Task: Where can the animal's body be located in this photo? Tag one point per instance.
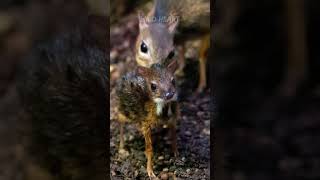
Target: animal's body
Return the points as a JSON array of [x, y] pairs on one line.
[[148, 98]]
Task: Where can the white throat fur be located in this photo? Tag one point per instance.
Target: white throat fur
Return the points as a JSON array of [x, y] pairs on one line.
[[159, 105]]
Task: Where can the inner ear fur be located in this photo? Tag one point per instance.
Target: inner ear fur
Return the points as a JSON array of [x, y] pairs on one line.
[[173, 66], [142, 20], [172, 23], [143, 71]]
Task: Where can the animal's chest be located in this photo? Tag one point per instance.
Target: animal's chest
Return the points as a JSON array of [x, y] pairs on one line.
[[166, 112], [157, 115]]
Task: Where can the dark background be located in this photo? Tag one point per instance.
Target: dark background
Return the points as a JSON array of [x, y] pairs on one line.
[[53, 89], [266, 86]]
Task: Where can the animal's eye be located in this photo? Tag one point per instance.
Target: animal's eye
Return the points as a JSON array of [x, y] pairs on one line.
[[143, 47], [153, 86], [173, 81], [171, 54]]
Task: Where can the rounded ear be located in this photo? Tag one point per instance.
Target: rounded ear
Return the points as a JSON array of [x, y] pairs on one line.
[[173, 66], [142, 20], [142, 71], [172, 24]]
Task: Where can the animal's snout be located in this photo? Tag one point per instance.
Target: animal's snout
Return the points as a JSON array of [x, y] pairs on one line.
[[169, 95]]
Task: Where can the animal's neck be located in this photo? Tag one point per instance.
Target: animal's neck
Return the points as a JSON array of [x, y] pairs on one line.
[[159, 107]]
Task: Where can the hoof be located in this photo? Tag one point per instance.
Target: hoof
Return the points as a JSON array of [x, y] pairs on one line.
[[199, 90], [176, 154], [123, 153], [151, 175]]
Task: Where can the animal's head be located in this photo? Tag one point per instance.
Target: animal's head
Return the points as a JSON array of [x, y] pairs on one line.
[[155, 41], [160, 82]]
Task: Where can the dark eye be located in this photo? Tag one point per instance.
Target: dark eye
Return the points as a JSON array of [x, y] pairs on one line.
[[153, 86], [171, 54], [173, 81], [143, 47]]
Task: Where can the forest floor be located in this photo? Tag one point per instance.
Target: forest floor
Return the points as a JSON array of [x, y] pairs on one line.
[[193, 129]]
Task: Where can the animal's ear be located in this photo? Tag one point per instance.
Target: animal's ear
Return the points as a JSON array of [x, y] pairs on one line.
[[172, 24], [142, 20], [173, 66], [143, 71]]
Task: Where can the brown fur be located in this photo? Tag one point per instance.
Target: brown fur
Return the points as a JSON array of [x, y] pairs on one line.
[[137, 103], [158, 30], [190, 12]]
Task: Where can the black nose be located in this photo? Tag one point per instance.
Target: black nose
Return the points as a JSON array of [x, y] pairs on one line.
[[169, 95]]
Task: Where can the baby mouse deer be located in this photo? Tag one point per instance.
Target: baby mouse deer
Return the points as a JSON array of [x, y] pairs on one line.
[[148, 98], [169, 22]]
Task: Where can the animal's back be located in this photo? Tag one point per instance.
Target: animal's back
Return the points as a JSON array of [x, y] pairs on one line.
[[132, 96], [191, 13]]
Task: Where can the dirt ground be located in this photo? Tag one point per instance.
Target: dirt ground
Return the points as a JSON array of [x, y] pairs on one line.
[[193, 129]]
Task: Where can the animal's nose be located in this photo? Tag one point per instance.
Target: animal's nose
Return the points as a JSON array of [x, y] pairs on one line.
[[169, 95]]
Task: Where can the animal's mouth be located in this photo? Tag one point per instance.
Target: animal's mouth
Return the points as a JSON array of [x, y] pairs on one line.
[[174, 98], [164, 100], [161, 102]]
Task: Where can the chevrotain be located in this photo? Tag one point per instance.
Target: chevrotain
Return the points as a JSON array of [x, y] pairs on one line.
[[148, 97]]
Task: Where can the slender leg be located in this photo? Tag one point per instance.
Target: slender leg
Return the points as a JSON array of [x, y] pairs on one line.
[[174, 140], [296, 70], [181, 61], [173, 123], [148, 151], [122, 151], [121, 145], [205, 44]]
